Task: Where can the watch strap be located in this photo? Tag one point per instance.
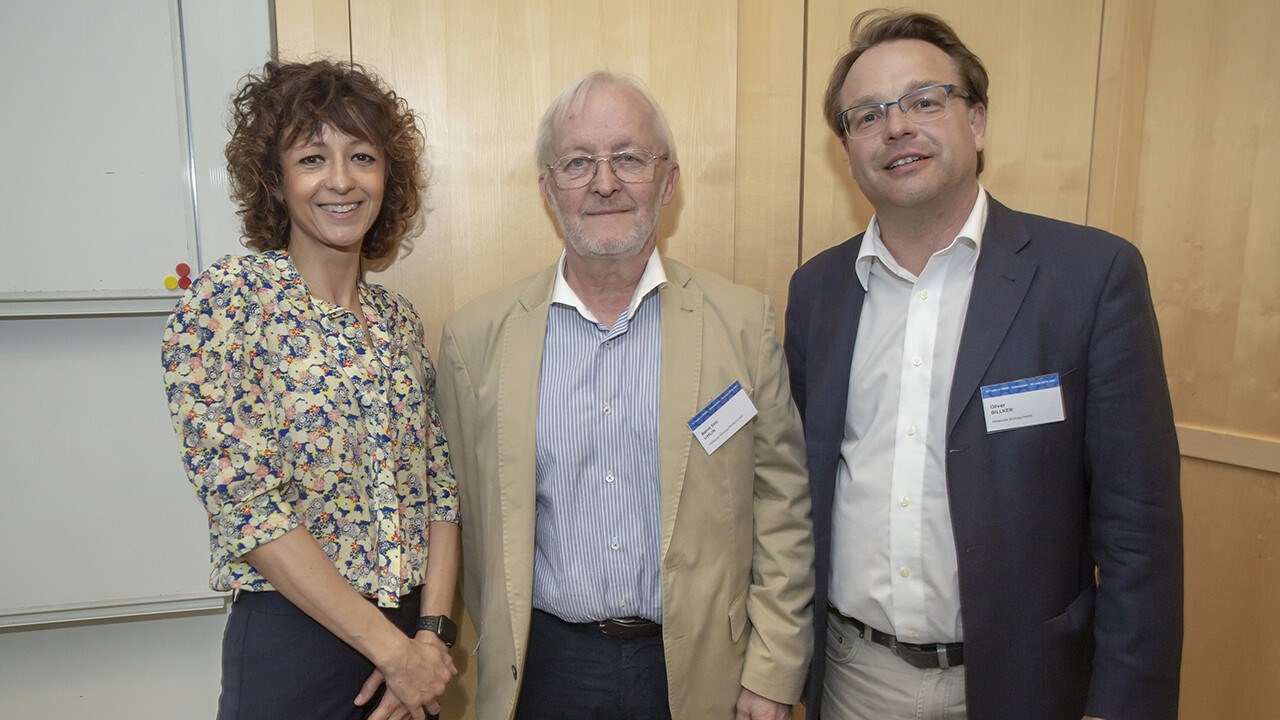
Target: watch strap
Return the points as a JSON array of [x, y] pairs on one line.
[[442, 626]]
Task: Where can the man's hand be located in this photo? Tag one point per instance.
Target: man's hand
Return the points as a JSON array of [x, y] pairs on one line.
[[415, 679], [755, 707]]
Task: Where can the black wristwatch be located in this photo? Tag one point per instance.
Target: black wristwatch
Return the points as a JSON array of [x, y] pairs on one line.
[[442, 626]]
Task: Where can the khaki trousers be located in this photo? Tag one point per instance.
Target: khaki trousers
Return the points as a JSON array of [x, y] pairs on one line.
[[866, 681]]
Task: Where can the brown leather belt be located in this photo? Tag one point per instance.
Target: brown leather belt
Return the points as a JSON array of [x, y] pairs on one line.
[[926, 656]]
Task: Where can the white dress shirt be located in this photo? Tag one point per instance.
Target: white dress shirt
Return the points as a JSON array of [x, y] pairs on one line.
[[893, 557]]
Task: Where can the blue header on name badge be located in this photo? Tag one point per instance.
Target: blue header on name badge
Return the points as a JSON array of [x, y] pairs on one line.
[[715, 405], [1043, 382]]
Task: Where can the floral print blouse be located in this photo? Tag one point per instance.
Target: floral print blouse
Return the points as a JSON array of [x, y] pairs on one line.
[[289, 416]]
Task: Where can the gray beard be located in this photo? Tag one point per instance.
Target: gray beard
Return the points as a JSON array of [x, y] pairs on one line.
[[621, 247]]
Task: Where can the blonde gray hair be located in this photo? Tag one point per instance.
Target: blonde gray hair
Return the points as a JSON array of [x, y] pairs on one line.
[[574, 96]]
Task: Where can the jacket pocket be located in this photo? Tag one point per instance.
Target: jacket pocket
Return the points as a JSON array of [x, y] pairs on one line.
[[1077, 619], [1068, 656], [738, 616]]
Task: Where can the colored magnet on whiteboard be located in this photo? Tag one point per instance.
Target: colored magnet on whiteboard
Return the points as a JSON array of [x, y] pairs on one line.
[[181, 280]]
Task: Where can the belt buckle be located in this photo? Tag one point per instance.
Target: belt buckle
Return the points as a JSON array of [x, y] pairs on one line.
[[627, 628]]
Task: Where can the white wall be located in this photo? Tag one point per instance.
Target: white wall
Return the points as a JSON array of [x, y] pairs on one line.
[[69, 388], [98, 506]]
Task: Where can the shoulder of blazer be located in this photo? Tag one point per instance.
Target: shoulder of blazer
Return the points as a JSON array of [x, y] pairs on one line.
[[706, 282], [493, 307], [828, 266], [1057, 240], [733, 303]]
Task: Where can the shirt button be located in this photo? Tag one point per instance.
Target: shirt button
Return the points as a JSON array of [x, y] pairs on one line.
[[614, 544], [608, 344], [917, 362], [911, 429], [607, 410], [905, 501], [905, 572], [622, 606], [924, 294]]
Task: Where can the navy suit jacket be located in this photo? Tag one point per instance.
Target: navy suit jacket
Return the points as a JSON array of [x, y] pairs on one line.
[[1033, 509]]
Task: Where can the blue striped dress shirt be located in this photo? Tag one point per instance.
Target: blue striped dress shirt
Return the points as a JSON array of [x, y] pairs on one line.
[[599, 498]]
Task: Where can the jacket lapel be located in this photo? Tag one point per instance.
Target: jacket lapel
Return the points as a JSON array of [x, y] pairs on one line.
[[521, 350], [678, 399], [833, 340], [1000, 284]]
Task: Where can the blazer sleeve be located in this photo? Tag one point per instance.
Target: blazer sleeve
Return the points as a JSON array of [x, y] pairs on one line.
[[780, 599], [794, 344], [1135, 504], [455, 401]]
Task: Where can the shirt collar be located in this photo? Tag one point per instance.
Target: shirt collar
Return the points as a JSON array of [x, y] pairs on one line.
[[873, 248], [283, 264], [653, 277]]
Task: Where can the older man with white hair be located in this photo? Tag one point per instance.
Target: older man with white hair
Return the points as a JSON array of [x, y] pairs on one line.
[[636, 538]]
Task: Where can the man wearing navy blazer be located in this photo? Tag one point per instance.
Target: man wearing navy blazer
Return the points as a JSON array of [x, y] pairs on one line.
[[991, 448]]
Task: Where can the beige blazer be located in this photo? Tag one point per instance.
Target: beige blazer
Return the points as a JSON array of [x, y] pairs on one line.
[[736, 539]]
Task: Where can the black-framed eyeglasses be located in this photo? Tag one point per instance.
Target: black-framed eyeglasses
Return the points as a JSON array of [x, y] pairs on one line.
[[919, 106], [630, 166]]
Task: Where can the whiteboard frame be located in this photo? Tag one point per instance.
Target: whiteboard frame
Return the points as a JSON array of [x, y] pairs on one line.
[[70, 613]]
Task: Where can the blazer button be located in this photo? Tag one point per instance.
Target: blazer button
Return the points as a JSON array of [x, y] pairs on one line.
[[513, 672]]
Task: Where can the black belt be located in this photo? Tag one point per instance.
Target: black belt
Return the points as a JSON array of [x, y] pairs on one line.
[[628, 628], [926, 657], [625, 628]]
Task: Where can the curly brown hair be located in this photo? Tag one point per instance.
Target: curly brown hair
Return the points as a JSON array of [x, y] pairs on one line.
[[872, 27], [287, 101]]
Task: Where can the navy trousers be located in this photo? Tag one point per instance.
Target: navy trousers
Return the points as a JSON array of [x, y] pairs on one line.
[[279, 664], [576, 671]]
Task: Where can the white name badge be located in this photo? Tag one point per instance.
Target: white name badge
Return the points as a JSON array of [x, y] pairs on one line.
[[722, 417], [1033, 401]]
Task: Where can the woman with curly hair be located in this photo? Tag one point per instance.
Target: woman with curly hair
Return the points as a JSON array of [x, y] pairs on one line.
[[303, 399]]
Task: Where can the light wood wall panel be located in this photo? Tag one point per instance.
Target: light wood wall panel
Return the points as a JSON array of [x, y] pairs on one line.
[[482, 73], [1043, 62], [728, 74], [312, 28], [770, 117], [1204, 208], [1118, 120], [1187, 164], [1232, 648]]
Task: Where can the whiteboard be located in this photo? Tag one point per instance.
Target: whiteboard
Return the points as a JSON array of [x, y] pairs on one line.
[[116, 113], [97, 511], [100, 520]]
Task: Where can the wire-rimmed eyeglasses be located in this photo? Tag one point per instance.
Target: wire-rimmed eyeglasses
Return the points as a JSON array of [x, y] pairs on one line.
[[630, 166], [919, 106]]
